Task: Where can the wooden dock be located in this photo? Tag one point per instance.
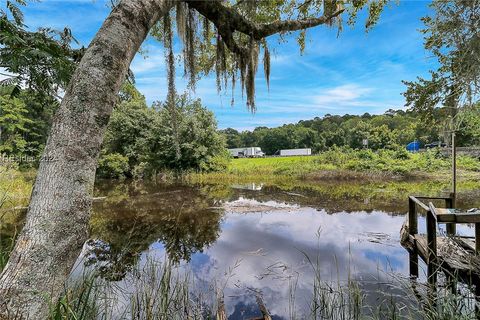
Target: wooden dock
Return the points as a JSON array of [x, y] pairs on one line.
[[457, 257]]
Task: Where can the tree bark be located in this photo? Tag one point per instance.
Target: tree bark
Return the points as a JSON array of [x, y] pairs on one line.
[[57, 220]]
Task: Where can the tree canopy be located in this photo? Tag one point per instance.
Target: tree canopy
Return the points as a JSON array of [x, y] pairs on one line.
[[40, 60], [141, 140], [394, 129], [452, 35]]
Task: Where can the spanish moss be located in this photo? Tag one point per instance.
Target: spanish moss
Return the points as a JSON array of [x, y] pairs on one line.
[[169, 56], [189, 52], [170, 60], [181, 20], [234, 75], [220, 62], [206, 30], [266, 63], [251, 72]]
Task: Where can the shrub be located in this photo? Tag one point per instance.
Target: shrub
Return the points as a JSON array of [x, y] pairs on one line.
[[468, 163], [217, 162], [365, 154], [401, 154], [114, 166]]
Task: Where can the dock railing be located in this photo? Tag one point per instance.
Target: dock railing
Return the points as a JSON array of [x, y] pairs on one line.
[[434, 217], [413, 201], [430, 255]]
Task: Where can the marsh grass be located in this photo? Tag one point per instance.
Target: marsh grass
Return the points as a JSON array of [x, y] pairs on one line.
[[156, 290], [162, 290], [344, 164]]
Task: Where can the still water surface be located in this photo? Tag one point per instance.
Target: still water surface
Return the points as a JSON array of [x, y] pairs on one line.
[[254, 238]]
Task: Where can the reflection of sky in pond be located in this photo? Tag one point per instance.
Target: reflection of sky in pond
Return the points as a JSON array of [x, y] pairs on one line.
[[264, 239], [271, 249]]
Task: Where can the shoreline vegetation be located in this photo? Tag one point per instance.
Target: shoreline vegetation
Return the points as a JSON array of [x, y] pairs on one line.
[[335, 165], [161, 290], [344, 164]]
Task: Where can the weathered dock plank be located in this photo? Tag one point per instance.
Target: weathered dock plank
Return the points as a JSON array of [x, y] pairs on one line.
[[454, 255]]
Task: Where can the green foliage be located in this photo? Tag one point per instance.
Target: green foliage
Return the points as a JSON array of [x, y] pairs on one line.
[[37, 67], [392, 130], [162, 138], [15, 186], [193, 129], [13, 122], [217, 162], [41, 60], [346, 163], [468, 133], [451, 35], [130, 127], [25, 119], [468, 163], [112, 165]]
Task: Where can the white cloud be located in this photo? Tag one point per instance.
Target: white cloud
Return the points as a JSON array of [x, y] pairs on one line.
[[344, 94], [155, 61]]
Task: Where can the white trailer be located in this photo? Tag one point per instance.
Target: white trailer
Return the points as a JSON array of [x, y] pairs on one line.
[[253, 152], [296, 152], [249, 152], [237, 152]]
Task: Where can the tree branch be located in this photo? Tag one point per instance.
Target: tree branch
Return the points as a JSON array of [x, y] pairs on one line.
[[226, 18], [269, 29]]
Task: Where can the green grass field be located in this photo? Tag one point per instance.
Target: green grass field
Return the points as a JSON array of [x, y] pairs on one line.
[[347, 164]]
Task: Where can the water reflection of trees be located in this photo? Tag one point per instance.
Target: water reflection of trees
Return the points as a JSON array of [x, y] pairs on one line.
[[355, 196], [184, 219]]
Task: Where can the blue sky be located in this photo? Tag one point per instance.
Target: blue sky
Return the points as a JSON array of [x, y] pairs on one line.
[[355, 73]]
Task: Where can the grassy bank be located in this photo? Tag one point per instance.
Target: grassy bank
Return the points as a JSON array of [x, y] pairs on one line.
[[345, 164]]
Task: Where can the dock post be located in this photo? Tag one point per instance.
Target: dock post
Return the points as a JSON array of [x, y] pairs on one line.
[[413, 259], [477, 238], [450, 203], [432, 247], [412, 217]]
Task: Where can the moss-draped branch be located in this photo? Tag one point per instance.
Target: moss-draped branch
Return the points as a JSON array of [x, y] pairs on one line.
[[230, 20]]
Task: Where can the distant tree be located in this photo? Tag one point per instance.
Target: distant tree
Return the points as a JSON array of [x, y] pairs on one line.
[[305, 138], [40, 110], [381, 137], [469, 129], [147, 137], [232, 137], [276, 139]]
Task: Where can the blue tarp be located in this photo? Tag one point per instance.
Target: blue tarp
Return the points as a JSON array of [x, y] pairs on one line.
[[413, 146]]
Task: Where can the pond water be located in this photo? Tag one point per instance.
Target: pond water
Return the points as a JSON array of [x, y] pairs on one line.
[[251, 239]]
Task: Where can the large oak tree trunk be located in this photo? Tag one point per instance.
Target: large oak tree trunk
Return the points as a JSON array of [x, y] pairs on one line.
[[57, 219]]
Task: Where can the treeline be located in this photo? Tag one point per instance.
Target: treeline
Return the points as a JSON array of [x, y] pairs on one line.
[[144, 140], [391, 130], [139, 141]]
